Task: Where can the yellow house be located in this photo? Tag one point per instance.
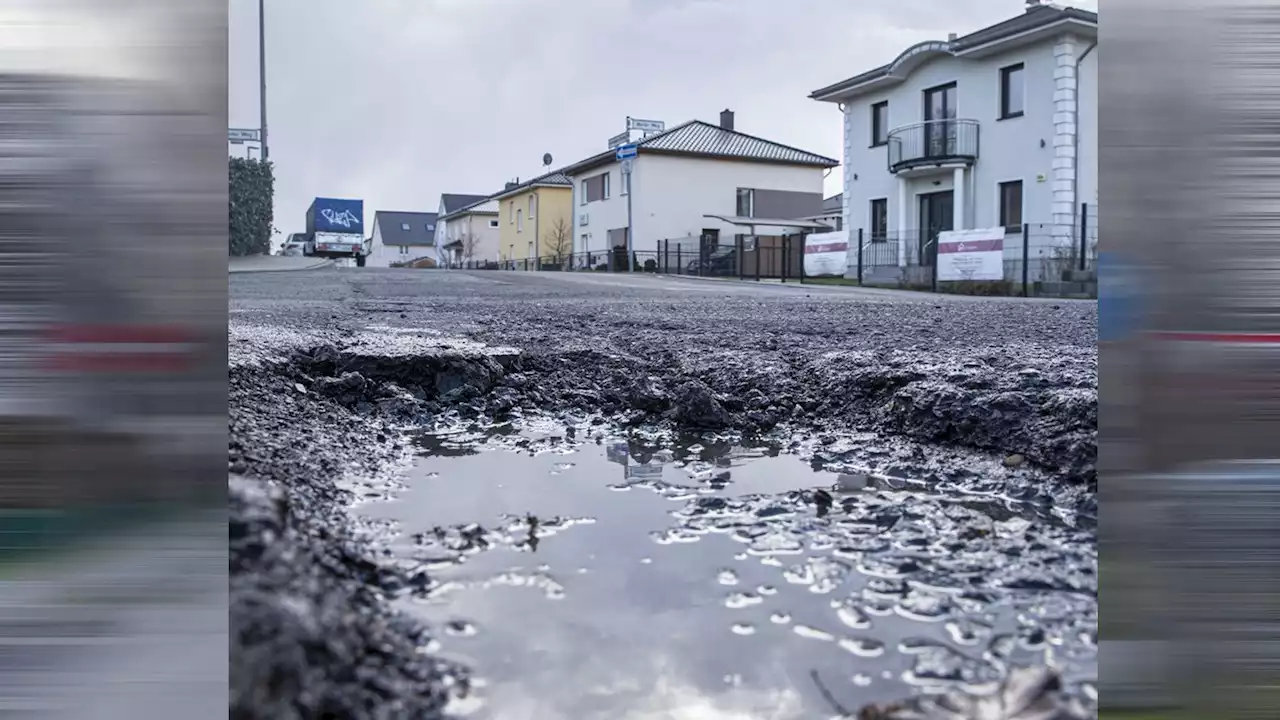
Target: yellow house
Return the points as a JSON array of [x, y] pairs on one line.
[[535, 220]]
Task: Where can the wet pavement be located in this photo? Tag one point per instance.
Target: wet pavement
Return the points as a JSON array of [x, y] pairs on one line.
[[584, 575]]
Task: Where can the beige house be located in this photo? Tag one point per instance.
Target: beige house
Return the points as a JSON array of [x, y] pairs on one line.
[[471, 234]]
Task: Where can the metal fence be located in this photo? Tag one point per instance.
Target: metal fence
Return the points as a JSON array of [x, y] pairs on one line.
[[1040, 259]]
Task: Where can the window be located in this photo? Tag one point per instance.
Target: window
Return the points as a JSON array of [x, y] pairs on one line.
[[1012, 100], [404, 249], [431, 228], [533, 206], [1011, 206], [511, 212], [404, 226], [880, 123], [493, 223], [746, 202], [626, 183], [595, 188], [880, 220], [520, 221], [586, 243]]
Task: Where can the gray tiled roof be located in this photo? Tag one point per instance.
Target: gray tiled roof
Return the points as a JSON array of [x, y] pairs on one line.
[[702, 139], [833, 203], [1033, 18], [553, 178], [454, 202], [391, 223]]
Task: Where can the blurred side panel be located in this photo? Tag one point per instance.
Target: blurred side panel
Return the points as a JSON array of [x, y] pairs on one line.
[[113, 357], [1189, 357]]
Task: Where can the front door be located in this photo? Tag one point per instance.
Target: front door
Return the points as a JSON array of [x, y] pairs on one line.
[[939, 116], [935, 217]]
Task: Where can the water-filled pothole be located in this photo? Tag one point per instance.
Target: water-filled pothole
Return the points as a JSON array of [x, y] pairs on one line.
[[600, 578]]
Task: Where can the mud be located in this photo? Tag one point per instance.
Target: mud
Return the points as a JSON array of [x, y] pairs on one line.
[[331, 370]]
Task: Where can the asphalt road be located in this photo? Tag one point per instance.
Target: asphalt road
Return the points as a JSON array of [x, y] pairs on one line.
[[328, 368]]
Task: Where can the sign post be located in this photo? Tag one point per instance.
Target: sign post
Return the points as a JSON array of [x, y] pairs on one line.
[[626, 155]]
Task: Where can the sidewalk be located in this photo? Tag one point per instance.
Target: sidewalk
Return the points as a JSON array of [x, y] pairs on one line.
[[275, 263]]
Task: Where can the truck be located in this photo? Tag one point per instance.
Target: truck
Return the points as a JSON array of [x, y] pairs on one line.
[[335, 229]]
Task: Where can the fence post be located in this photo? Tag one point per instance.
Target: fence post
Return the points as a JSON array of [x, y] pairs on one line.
[[859, 256], [666, 255], [1084, 233], [679, 259], [786, 257], [739, 248], [933, 279], [1026, 259]]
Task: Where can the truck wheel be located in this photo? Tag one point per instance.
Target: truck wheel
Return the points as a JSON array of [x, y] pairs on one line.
[[359, 261]]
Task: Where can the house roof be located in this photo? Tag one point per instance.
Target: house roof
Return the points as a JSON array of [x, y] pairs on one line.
[[1038, 18], [486, 206], [697, 138], [834, 203], [453, 202], [422, 227], [555, 178]]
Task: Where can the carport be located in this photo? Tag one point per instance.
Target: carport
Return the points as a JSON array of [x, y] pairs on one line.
[[770, 247]]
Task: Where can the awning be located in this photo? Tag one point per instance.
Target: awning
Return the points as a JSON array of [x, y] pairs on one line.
[[753, 223]]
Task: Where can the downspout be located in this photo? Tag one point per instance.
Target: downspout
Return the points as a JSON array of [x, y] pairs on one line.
[[537, 239], [1075, 142]]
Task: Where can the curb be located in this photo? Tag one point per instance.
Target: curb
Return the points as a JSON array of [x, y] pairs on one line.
[[316, 266]]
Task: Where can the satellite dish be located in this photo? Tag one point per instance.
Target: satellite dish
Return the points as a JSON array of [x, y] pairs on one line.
[[546, 159]]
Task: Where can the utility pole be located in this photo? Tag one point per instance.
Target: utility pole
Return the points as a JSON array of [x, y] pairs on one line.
[[262, 72]]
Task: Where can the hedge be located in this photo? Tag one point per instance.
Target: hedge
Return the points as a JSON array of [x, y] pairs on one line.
[[252, 192]]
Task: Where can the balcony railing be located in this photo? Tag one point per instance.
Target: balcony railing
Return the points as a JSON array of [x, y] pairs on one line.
[[933, 142]]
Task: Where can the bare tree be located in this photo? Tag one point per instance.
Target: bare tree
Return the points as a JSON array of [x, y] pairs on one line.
[[470, 243], [558, 240]]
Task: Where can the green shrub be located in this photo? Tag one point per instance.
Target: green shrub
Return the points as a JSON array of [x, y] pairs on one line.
[[250, 214]]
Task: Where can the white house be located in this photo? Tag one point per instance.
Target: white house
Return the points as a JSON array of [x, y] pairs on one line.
[[471, 234], [450, 203], [402, 237], [696, 180], [994, 128]]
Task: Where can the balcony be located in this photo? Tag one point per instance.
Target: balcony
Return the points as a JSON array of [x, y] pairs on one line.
[[933, 143]]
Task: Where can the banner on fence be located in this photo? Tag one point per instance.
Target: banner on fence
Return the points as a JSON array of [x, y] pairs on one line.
[[826, 253], [971, 254]]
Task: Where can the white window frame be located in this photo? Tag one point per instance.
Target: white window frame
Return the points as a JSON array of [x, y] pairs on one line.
[[608, 175], [404, 249], [533, 205], [511, 211], [520, 220], [583, 189], [404, 226], [626, 183], [493, 223]]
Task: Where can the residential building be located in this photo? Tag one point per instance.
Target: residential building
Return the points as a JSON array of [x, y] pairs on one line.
[[698, 183], [997, 128], [402, 237], [832, 214], [471, 234], [449, 204], [535, 219]]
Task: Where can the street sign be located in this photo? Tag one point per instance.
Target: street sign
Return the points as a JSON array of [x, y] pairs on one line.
[[619, 139], [625, 151], [646, 125], [239, 136]]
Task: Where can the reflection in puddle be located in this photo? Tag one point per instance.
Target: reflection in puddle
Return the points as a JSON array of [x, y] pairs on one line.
[[584, 577]]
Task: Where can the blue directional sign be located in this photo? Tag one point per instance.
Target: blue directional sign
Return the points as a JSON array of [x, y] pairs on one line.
[[625, 152]]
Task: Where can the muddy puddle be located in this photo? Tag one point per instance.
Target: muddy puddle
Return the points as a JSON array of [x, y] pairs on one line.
[[594, 577]]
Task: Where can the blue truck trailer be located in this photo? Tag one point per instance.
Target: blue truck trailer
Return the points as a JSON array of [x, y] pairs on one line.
[[335, 230]]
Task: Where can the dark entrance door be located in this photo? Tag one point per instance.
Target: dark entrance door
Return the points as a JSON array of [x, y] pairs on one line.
[[935, 217], [939, 116]]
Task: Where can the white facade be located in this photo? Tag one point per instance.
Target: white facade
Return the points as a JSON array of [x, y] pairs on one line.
[[480, 224], [1051, 148], [672, 196], [382, 255]]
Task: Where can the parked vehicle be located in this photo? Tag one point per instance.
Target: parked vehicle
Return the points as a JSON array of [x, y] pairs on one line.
[[335, 230]]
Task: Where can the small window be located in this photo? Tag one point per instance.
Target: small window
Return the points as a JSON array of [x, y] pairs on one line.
[[1012, 98], [404, 226], [533, 206], [746, 202], [1011, 206], [431, 228], [595, 188], [626, 183], [404, 249], [520, 221], [585, 193], [880, 123], [493, 223], [879, 220], [511, 212]]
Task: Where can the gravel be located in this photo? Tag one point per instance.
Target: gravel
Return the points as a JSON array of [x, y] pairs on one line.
[[328, 368]]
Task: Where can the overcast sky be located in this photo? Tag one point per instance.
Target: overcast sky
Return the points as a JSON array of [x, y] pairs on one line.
[[398, 101]]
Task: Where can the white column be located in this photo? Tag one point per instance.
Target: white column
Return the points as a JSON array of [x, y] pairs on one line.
[[1064, 140], [901, 232], [958, 200]]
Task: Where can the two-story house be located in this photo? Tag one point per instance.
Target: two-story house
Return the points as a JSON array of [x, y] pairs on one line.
[[695, 182], [535, 219], [449, 204], [471, 234], [997, 128], [402, 237]]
